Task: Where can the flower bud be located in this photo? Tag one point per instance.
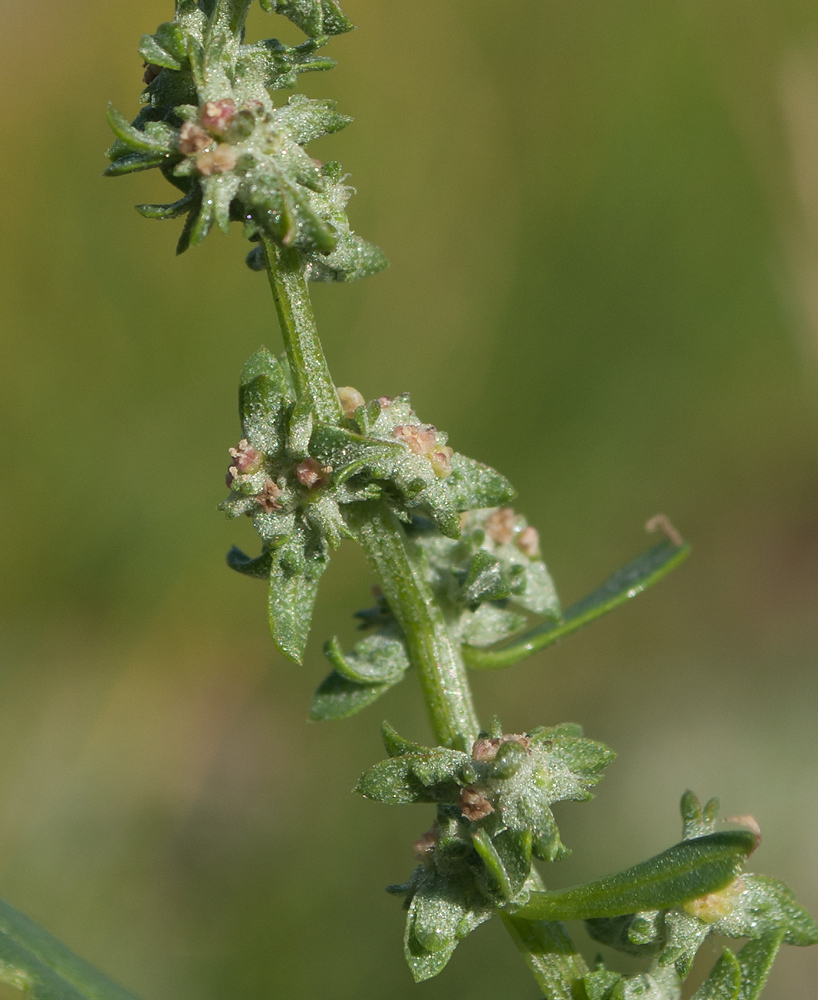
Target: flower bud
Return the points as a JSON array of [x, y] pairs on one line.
[[441, 459], [420, 440], [528, 541], [216, 116], [501, 524], [350, 399], [220, 160], [312, 474]]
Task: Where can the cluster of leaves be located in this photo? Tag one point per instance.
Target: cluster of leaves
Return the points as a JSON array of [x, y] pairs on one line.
[[296, 476], [493, 816], [486, 581], [751, 906], [211, 126]]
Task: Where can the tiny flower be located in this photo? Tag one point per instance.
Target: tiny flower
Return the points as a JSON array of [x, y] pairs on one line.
[[501, 524], [420, 440], [528, 541], [715, 905], [473, 805], [216, 161], [245, 457], [350, 399], [312, 474], [193, 139], [216, 116], [441, 459], [485, 750], [385, 401], [267, 499]]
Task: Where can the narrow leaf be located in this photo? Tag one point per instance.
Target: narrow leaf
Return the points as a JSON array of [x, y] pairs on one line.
[[756, 959], [643, 572], [171, 211], [723, 982], [338, 697], [135, 138], [674, 877], [153, 53], [132, 162], [35, 962], [258, 567]]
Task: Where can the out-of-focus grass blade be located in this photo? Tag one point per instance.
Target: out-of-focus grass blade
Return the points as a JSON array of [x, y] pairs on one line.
[[629, 581], [43, 968]]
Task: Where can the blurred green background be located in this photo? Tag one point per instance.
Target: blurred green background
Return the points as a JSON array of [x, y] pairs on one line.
[[602, 220]]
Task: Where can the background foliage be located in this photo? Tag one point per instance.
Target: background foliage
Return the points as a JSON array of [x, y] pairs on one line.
[[603, 227]]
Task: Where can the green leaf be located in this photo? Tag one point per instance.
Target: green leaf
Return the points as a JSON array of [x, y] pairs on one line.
[[338, 697], [43, 968], [672, 878], [264, 394], [637, 576], [426, 776], [258, 567], [396, 744], [377, 659], [171, 211], [135, 138], [766, 905], [295, 572], [756, 959], [353, 258], [724, 980], [507, 858], [314, 17], [485, 580], [153, 53], [133, 162], [472, 485]]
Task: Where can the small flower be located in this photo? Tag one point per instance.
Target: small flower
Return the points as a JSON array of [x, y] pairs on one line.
[[267, 499], [193, 139], [441, 459], [420, 440], [350, 399], [473, 805], [528, 541], [216, 116], [715, 905], [312, 474], [220, 160], [501, 524]]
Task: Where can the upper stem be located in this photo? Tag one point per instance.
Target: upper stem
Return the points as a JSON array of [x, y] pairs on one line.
[[401, 570], [307, 362]]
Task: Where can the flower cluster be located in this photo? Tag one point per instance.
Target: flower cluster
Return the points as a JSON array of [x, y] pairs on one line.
[[212, 127]]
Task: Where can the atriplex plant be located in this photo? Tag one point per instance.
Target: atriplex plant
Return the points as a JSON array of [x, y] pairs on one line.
[[459, 572]]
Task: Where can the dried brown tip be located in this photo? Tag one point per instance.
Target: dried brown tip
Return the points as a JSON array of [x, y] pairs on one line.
[[660, 522], [751, 823], [424, 845], [501, 524], [267, 499], [350, 399], [474, 805], [216, 161]]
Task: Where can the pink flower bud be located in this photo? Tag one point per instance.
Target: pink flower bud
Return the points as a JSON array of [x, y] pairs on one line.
[[528, 541], [420, 440], [350, 399], [501, 524], [220, 160], [312, 474], [217, 115], [441, 459], [193, 139]]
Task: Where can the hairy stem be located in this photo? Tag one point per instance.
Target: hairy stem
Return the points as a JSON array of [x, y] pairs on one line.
[[550, 955], [307, 362], [401, 571]]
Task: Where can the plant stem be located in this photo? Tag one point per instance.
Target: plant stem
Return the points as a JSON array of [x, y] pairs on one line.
[[550, 955], [401, 570], [307, 362]]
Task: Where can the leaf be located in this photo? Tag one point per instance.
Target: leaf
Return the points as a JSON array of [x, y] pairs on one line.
[[353, 258], [485, 580], [258, 567], [686, 871], [314, 17], [724, 980], [171, 211], [766, 905], [426, 776], [637, 576], [154, 54], [264, 394], [306, 118], [377, 659], [472, 485], [132, 162], [135, 138], [507, 858], [43, 968], [338, 697], [756, 959], [295, 572], [396, 744]]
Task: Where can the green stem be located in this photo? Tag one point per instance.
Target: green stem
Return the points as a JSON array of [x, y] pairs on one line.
[[307, 362], [401, 571], [549, 954]]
